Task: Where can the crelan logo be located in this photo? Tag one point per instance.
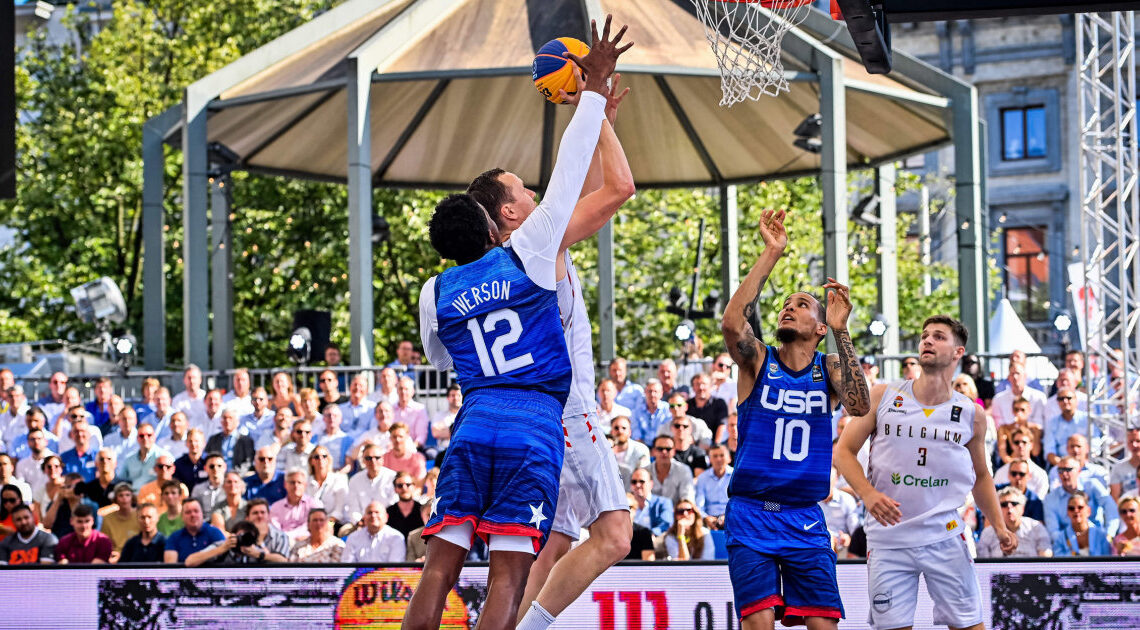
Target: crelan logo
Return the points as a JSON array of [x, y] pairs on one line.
[[921, 482]]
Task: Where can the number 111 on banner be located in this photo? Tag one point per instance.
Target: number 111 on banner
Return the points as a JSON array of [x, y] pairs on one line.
[[632, 602]]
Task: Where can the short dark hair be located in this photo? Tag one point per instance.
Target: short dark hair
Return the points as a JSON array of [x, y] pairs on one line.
[[458, 229], [491, 193], [83, 511], [961, 335], [36, 410], [315, 510], [189, 500], [20, 507], [254, 503], [1076, 352], [454, 387], [173, 483], [215, 455]]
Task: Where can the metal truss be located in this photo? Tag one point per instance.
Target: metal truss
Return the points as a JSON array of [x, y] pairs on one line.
[[1110, 221]]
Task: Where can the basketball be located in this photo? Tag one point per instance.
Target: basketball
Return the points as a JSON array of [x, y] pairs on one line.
[[552, 72]]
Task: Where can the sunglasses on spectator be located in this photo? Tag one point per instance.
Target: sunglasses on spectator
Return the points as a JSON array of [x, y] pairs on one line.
[[146, 435], [1017, 473], [676, 405], [1006, 504], [1127, 510], [1021, 442], [9, 500], [302, 431], [164, 466], [1077, 508], [405, 485], [663, 449], [320, 456], [638, 482], [724, 365], [372, 458], [265, 459], [684, 511], [678, 425], [327, 380], [1064, 398], [1066, 469]]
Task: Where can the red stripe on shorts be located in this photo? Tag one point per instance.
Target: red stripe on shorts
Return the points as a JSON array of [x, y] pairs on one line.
[[770, 601], [812, 611]]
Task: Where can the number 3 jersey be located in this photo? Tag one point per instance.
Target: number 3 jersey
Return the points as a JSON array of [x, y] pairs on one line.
[[919, 458], [500, 328], [784, 435]]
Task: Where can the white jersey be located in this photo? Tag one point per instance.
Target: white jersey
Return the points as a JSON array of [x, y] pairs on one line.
[[576, 326], [919, 458]]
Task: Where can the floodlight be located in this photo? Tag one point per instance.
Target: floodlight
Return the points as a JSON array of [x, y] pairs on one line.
[[300, 345], [878, 326], [685, 330], [863, 214], [811, 127], [99, 300], [123, 349], [811, 145], [1062, 322]]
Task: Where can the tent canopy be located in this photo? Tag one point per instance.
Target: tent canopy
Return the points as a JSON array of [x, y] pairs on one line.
[[457, 98]]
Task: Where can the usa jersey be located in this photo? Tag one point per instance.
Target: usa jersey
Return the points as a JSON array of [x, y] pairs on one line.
[[784, 435], [500, 328]]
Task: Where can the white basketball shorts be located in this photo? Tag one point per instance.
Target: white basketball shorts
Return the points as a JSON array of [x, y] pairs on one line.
[[590, 483], [892, 584]]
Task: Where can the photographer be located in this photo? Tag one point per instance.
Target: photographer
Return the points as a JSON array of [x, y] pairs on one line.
[[253, 540]]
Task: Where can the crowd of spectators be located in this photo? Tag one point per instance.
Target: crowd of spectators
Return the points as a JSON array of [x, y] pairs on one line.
[[346, 472]]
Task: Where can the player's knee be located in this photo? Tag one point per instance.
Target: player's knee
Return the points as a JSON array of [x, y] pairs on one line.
[[615, 535]]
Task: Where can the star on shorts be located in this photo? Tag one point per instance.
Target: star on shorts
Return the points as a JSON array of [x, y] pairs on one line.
[[536, 516], [434, 505]]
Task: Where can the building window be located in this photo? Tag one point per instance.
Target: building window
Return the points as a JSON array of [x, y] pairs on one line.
[[1027, 272], [1023, 133]]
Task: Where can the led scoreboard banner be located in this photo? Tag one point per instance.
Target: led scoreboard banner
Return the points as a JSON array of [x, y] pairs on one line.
[[1047, 595]]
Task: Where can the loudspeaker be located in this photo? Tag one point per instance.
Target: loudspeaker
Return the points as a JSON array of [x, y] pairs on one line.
[[319, 324], [7, 99]]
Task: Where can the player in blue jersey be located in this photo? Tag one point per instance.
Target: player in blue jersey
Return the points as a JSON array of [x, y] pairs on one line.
[[780, 559], [494, 319]]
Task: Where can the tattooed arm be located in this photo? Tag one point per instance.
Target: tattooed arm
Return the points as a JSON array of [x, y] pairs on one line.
[[844, 372], [741, 320]]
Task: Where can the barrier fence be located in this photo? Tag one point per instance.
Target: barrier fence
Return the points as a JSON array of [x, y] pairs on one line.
[[1057, 594]]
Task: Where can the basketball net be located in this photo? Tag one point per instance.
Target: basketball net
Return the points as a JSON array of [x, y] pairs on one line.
[[745, 40]]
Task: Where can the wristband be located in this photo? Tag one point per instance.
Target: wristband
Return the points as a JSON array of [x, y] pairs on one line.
[[261, 558]]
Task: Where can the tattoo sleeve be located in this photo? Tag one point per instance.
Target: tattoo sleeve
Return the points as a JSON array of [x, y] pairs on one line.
[[852, 387]]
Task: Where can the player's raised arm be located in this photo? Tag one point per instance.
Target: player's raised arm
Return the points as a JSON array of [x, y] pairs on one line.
[[985, 494], [846, 460], [744, 307], [602, 200], [847, 380], [539, 239]]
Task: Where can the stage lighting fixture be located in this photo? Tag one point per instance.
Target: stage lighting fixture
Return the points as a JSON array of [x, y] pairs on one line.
[[811, 127], [300, 346], [685, 330], [862, 212], [98, 301], [811, 145], [878, 326], [1062, 322]]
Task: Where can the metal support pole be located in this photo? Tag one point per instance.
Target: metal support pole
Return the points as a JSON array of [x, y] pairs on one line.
[[154, 247], [968, 217], [221, 274], [924, 237], [885, 178], [360, 211], [607, 340], [833, 169], [195, 247], [729, 243]]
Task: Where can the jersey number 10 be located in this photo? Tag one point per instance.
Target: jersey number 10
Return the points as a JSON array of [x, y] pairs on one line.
[[785, 440], [502, 364]]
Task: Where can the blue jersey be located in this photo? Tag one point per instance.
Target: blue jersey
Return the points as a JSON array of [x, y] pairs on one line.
[[784, 435], [501, 328]]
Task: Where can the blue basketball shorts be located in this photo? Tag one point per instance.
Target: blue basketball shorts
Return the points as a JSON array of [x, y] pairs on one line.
[[502, 466], [778, 546]]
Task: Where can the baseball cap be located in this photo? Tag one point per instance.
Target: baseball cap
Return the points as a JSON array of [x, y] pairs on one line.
[[867, 360]]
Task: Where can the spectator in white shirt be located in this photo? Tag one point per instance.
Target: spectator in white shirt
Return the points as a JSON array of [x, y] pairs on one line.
[[30, 468], [608, 407], [260, 420], [374, 483], [1032, 538], [841, 513], [192, 399], [12, 420], [295, 455], [724, 386], [1022, 443], [326, 484], [211, 420], [388, 387], [1066, 379], [374, 542], [1122, 478], [238, 398], [333, 437], [377, 435], [630, 454], [411, 412], [173, 440], [1002, 406], [163, 409], [441, 425]]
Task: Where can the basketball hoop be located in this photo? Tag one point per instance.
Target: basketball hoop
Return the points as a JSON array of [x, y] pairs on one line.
[[745, 36]]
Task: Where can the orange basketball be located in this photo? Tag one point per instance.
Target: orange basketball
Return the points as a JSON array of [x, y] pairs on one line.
[[552, 72]]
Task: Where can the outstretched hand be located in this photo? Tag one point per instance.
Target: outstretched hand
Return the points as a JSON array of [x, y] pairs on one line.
[[838, 304], [772, 229], [613, 98], [599, 63]]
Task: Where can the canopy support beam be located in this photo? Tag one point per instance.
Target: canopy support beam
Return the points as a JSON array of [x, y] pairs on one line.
[[607, 340], [885, 179], [729, 243], [195, 247], [154, 246], [221, 272], [833, 170], [360, 212]]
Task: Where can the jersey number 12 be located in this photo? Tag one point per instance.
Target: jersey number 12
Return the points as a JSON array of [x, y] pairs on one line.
[[501, 364], [785, 440]]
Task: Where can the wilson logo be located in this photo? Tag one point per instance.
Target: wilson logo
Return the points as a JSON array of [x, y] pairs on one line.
[[793, 401]]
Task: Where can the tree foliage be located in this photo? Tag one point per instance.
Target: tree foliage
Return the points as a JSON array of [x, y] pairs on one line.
[[78, 211]]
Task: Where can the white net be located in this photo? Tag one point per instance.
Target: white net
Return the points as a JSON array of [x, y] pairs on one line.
[[745, 39]]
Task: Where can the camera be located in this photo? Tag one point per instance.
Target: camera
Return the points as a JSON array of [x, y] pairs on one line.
[[246, 533]]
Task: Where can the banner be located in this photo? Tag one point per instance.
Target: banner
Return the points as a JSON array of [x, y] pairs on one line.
[[667, 596]]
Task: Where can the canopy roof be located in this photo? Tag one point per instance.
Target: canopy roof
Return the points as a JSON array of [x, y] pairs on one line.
[[453, 97]]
